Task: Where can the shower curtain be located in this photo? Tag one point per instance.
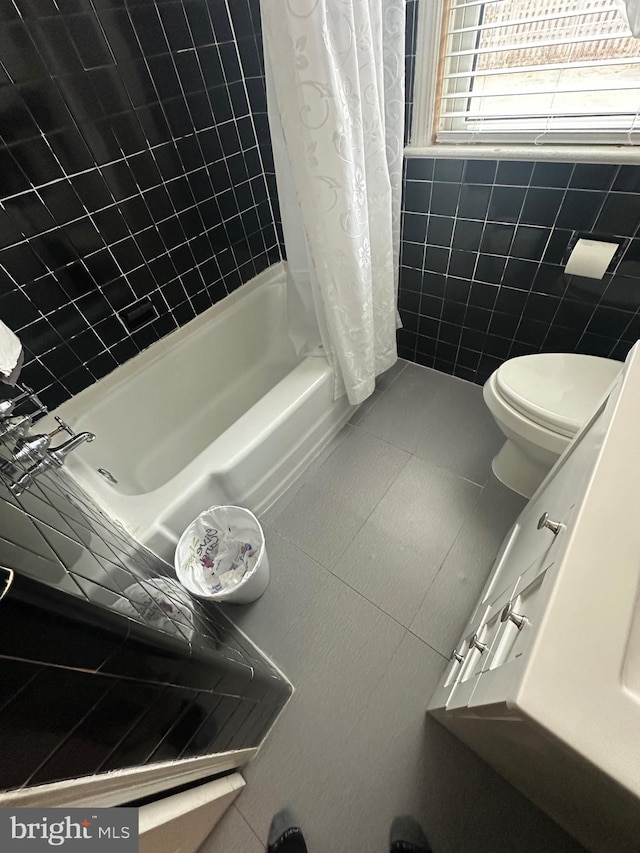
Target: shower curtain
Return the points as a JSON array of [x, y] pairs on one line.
[[337, 72]]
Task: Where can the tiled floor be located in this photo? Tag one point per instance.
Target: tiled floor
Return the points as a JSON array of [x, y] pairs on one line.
[[377, 554]]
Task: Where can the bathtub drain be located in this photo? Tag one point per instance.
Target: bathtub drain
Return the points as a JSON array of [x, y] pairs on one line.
[[107, 475]]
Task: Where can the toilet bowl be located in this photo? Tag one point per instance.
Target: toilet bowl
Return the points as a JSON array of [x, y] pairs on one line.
[[539, 402]]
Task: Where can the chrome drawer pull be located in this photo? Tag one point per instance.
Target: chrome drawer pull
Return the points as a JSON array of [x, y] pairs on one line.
[[509, 615], [554, 526], [455, 655], [7, 581], [474, 643]]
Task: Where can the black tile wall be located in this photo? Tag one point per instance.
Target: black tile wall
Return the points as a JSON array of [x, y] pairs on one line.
[[105, 662], [135, 162], [484, 245], [482, 267]]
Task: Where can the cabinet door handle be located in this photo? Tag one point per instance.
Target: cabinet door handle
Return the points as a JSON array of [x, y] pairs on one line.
[[6, 581], [509, 615], [455, 655], [544, 521], [474, 643]]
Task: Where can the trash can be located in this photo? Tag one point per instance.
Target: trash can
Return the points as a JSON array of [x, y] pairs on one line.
[[221, 556]]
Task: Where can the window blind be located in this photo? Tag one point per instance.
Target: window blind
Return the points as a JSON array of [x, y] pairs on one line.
[[538, 71]]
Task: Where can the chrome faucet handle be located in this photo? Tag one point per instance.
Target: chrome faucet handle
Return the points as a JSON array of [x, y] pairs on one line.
[[26, 393], [18, 425], [17, 487], [33, 447], [30, 447], [63, 426], [48, 458], [7, 406], [40, 407], [35, 452]]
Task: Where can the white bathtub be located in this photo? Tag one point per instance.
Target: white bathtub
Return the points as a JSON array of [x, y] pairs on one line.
[[220, 411]]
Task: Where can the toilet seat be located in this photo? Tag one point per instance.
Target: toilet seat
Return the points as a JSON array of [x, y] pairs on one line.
[[558, 391]]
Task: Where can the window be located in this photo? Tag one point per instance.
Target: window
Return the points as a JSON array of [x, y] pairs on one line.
[[534, 71]]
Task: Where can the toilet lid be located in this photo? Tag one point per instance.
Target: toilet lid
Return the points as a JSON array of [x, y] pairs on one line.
[[557, 390]]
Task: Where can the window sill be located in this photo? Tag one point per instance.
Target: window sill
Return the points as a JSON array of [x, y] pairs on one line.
[[558, 153]]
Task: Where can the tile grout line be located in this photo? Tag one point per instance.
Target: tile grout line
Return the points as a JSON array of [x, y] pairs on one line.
[[450, 549], [243, 817]]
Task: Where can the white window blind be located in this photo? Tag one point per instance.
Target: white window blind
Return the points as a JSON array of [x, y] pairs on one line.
[[557, 71]]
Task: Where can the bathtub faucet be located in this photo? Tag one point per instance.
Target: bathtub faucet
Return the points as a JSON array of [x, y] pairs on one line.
[[37, 448], [14, 426], [60, 453]]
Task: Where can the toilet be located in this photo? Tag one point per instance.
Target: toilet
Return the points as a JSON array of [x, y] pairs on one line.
[[539, 402]]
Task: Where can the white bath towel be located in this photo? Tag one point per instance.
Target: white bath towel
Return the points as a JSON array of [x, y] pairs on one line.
[[11, 355]]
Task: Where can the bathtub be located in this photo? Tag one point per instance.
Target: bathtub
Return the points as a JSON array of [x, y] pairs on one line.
[[219, 411]]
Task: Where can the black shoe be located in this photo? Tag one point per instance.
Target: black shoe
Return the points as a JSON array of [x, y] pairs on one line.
[[285, 835], [406, 836]]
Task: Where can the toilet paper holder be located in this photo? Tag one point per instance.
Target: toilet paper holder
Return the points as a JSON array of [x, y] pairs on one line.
[[591, 237]]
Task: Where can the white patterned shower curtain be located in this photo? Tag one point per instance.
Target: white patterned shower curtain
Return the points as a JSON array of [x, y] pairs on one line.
[[337, 72]]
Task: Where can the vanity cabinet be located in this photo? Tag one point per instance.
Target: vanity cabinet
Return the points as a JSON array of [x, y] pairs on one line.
[[544, 683]]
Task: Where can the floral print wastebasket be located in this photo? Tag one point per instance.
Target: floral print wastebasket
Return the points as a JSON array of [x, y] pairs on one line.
[[221, 556]]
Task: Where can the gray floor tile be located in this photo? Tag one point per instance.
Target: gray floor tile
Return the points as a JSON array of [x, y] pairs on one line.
[[363, 408], [405, 763], [324, 454], [333, 499], [346, 775], [426, 502], [318, 524], [389, 376], [451, 597], [356, 771], [383, 382], [295, 580], [343, 643], [397, 415], [232, 835], [459, 433], [359, 470], [397, 552], [389, 754], [345, 646], [494, 804], [276, 508]]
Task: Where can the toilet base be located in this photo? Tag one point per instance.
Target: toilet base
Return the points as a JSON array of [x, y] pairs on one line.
[[518, 471]]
